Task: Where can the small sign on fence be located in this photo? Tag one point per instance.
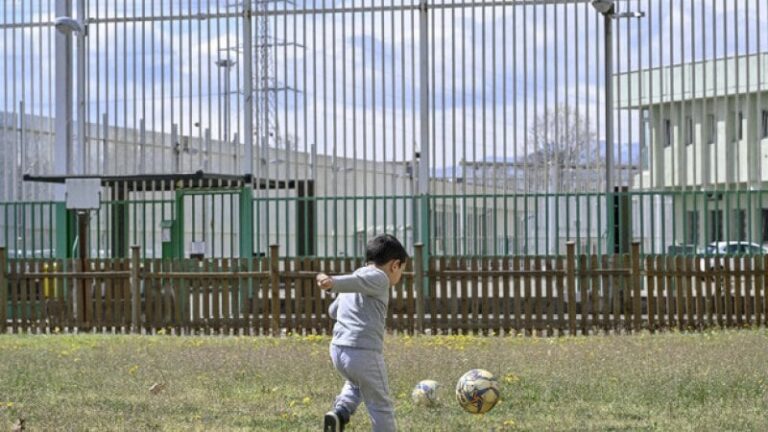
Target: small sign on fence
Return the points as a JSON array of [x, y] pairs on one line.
[[83, 194]]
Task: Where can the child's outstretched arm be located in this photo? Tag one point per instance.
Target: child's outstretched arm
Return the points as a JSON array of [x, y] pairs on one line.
[[370, 284]]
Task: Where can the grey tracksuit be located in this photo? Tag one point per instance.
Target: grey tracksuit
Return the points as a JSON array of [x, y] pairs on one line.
[[360, 311]]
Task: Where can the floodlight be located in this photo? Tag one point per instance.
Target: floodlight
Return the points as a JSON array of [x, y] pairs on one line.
[[68, 25], [605, 7]]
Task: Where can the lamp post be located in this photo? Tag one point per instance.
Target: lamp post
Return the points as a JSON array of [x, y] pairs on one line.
[[226, 64], [607, 8], [69, 26]]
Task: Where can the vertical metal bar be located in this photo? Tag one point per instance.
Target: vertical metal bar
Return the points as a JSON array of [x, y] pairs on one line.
[[408, 171], [609, 159], [344, 134], [374, 215], [413, 184], [424, 127], [309, 203], [356, 252], [5, 193], [296, 125], [454, 160], [335, 165]]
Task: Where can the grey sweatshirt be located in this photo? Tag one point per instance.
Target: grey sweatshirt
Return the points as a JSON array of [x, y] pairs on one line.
[[360, 309]]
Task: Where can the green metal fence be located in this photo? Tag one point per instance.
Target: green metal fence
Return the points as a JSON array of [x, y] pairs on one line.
[[216, 223]]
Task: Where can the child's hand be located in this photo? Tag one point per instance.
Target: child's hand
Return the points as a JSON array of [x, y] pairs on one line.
[[324, 282]]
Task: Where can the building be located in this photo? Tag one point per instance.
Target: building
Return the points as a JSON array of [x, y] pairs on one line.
[[704, 129], [350, 199]]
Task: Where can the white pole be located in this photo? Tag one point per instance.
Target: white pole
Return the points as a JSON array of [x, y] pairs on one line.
[[81, 89], [64, 83]]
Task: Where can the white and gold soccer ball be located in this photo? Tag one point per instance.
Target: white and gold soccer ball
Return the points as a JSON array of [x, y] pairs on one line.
[[477, 391], [425, 393]]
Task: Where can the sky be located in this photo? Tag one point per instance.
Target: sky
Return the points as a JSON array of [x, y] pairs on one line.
[[355, 76]]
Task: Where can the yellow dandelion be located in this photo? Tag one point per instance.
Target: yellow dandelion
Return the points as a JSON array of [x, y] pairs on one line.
[[133, 369], [307, 400], [511, 378]]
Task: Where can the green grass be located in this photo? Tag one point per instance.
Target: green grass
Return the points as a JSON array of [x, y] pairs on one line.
[[675, 382]]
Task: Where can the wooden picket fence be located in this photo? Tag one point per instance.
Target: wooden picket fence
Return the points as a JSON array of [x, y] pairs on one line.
[[547, 296]]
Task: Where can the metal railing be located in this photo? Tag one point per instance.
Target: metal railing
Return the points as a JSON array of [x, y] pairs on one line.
[[459, 225]]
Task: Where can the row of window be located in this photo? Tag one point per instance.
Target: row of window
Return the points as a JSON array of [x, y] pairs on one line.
[[711, 124], [716, 229]]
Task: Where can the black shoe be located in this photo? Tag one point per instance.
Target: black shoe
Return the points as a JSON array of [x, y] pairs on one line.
[[333, 422]]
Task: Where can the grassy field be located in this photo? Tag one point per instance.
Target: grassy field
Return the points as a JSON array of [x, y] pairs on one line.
[[710, 381]]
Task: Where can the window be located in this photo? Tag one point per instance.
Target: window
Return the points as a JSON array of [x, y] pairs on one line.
[[764, 131], [688, 130], [712, 128], [764, 225], [667, 133], [737, 120], [645, 139], [692, 227], [740, 224], [738, 126], [715, 225]]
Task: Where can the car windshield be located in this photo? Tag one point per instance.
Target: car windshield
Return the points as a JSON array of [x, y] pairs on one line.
[[711, 249]]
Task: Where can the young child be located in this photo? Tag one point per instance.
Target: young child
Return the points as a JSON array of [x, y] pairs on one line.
[[360, 310]]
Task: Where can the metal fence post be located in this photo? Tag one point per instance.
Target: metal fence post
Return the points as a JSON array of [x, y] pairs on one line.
[[418, 283], [274, 267], [570, 266], [3, 290], [635, 280], [135, 290]]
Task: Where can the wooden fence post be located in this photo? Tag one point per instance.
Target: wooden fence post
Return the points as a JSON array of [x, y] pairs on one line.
[[637, 306], [418, 283], [3, 290], [570, 267], [274, 267], [135, 290]]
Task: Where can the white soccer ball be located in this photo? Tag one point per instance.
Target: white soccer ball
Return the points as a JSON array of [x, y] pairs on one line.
[[477, 391], [425, 393]]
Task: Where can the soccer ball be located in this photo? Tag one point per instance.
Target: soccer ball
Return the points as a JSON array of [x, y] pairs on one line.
[[477, 391], [425, 393]]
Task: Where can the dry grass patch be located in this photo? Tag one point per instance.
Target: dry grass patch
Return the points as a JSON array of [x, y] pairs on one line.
[[707, 381]]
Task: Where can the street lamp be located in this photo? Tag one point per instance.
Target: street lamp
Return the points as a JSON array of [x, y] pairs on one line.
[[69, 26], [607, 8], [226, 64]]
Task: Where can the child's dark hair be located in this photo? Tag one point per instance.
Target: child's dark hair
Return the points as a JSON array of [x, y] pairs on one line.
[[383, 248]]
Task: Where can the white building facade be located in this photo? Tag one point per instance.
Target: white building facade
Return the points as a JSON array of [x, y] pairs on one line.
[[704, 130]]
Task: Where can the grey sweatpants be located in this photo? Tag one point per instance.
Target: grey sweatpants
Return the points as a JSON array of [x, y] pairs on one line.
[[366, 381]]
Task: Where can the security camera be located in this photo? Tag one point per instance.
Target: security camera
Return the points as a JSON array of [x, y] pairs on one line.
[[68, 25], [605, 7]]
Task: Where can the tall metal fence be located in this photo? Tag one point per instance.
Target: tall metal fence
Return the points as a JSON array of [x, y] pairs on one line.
[[477, 128]]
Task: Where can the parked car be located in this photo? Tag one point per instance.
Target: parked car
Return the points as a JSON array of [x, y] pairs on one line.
[[738, 249]]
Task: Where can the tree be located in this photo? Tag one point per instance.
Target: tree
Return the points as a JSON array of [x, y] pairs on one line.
[[565, 147]]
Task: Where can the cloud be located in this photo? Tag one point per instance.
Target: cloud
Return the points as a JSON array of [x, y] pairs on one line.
[[492, 69]]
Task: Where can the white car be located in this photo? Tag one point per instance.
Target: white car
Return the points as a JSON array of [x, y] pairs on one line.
[[731, 249]]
